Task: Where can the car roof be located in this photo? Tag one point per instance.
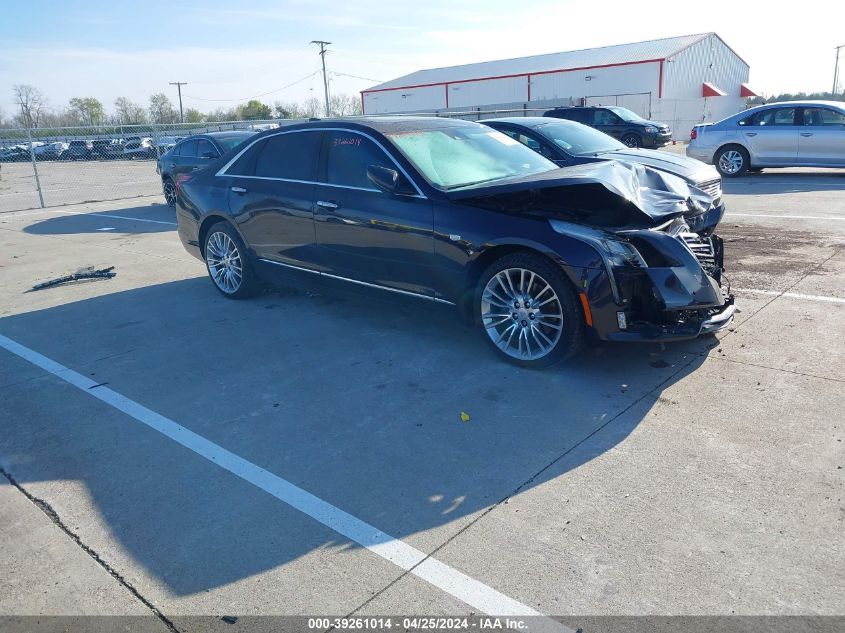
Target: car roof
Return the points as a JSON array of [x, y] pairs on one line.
[[226, 134], [806, 102], [382, 124], [529, 121]]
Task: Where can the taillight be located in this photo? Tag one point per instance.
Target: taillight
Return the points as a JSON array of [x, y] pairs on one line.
[[693, 134], [181, 179]]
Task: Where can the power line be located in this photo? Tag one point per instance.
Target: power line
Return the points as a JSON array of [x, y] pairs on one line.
[[323, 45], [263, 94], [288, 56], [334, 72]]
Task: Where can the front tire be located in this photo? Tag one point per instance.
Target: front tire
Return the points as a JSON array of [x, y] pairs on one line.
[[731, 161], [632, 140], [227, 262], [528, 311]]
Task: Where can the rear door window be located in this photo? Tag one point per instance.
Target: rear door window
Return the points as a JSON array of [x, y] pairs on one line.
[[349, 155], [605, 117], [188, 149], [205, 149], [773, 117], [291, 156]]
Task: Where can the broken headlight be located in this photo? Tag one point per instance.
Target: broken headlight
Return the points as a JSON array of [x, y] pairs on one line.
[[621, 254]]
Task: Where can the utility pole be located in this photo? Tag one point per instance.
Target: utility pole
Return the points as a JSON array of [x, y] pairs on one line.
[[179, 85], [325, 80], [836, 70]]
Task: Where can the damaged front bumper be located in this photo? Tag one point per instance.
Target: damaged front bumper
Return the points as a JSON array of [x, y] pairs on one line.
[[671, 289]]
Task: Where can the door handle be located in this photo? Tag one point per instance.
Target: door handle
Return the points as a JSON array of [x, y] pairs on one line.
[[327, 205], [238, 190], [806, 133], [751, 133]]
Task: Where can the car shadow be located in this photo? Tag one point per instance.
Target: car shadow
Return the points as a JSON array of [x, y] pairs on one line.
[[152, 218], [355, 400], [775, 181]]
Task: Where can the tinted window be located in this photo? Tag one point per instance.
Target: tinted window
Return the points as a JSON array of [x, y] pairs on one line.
[[349, 155], [529, 140], [206, 150], [292, 156], [245, 165], [605, 117], [578, 139], [822, 116], [188, 149]]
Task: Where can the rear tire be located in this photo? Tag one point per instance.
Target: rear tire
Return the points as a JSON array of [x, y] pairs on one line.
[[731, 161], [528, 311], [169, 189], [228, 264]]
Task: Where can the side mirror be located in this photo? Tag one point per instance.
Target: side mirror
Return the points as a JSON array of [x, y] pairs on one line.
[[385, 179]]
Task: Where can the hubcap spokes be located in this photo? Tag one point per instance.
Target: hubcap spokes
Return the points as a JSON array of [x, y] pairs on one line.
[[731, 162], [224, 262], [169, 193], [521, 313]]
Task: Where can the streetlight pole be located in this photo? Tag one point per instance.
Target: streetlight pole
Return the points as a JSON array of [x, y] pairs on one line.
[[179, 85], [325, 80]]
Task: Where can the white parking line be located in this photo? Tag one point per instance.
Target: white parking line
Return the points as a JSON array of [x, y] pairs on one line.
[[474, 593], [788, 217], [792, 295]]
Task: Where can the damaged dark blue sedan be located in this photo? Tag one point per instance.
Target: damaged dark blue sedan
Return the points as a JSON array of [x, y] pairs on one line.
[[540, 258]]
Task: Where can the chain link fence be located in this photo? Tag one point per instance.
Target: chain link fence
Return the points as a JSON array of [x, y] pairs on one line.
[[47, 167]]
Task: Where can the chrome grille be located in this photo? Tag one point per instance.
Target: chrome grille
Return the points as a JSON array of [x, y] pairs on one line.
[[702, 248], [712, 188]]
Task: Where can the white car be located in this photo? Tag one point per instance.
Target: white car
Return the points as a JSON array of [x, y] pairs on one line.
[[786, 134], [140, 148]]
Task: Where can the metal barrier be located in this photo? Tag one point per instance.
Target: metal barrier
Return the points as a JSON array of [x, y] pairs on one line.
[[47, 167]]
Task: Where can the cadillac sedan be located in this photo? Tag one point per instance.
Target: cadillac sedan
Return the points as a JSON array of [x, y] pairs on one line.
[[453, 212]]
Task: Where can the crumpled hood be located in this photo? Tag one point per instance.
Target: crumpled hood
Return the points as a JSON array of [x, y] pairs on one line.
[[608, 194], [689, 169]]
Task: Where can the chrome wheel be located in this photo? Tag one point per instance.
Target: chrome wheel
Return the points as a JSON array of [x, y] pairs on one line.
[[631, 141], [224, 262], [730, 162], [170, 193], [521, 313]]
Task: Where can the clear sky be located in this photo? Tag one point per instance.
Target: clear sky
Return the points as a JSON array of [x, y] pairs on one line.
[[231, 50]]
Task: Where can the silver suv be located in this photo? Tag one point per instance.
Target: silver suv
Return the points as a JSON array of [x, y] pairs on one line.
[[786, 134]]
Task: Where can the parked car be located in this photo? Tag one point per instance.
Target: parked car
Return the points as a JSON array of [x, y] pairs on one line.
[[570, 143], [16, 154], [79, 150], [629, 127], [107, 149], [139, 148], [193, 153], [452, 212], [786, 134], [50, 151]]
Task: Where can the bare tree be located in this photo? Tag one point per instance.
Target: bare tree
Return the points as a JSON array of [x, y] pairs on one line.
[[128, 112], [312, 107], [31, 102], [344, 105]]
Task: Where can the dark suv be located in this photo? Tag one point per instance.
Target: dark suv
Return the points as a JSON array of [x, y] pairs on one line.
[[629, 127], [79, 150]]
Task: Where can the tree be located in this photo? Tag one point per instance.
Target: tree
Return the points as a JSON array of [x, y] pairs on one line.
[[344, 105], [161, 110], [87, 110], [287, 110], [312, 107], [128, 112], [31, 102], [254, 110], [192, 115]]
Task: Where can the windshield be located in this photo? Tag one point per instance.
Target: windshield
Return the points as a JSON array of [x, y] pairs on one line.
[[625, 114], [231, 142], [459, 156], [578, 139]]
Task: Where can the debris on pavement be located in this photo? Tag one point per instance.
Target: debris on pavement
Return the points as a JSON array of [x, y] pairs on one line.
[[464, 416], [83, 273]]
